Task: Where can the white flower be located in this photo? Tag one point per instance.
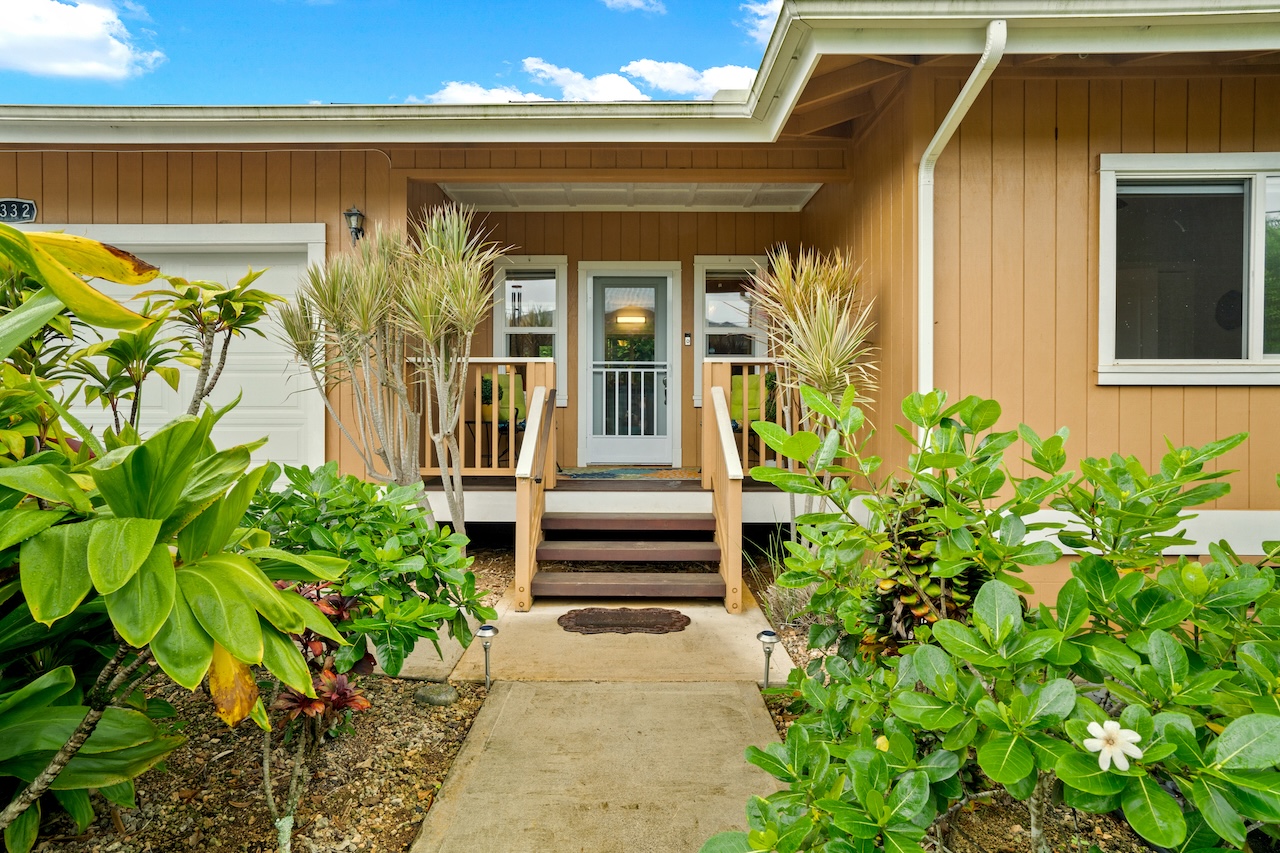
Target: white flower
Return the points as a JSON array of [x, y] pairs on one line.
[[1113, 743]]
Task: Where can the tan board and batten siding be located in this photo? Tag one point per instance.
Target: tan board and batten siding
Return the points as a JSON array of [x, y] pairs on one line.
[[1017, 252], [206, 186]]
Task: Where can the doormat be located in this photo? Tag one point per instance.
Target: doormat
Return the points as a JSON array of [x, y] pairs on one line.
[[631, 473], [623, 620]]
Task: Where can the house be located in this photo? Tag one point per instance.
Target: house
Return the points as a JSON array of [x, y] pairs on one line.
[[1062, 204]]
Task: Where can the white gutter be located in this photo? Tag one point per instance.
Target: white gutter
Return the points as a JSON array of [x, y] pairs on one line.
[[997, 35]]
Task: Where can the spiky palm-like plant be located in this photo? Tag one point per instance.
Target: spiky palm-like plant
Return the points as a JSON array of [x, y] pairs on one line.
[[818, 320], [448, 293], [348, 327]]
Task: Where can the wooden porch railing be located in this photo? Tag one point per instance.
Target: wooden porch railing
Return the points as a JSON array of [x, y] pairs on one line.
[[496, 414], [535, 473], [722, 474], [756, 389]]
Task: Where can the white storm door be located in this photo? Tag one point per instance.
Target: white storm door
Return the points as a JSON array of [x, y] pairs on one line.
[[629, 382], [278, 401]]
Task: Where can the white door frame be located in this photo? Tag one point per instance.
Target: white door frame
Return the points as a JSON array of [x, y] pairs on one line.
[[586, 271]]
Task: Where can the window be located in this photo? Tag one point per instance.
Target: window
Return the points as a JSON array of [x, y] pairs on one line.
[[1190, 269], [727, 325], [530, 296]]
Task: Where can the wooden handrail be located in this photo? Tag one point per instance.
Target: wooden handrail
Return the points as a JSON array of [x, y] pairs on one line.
[[533, 426], [724, 427], [544, 437]]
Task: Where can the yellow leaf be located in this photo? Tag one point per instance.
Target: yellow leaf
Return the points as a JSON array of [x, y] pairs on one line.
[[94, 259], [232, 686]]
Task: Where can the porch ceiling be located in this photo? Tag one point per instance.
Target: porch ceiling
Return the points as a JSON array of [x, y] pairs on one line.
[[762, 197]]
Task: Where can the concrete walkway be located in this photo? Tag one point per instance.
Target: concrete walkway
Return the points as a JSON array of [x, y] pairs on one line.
[[608, 742]]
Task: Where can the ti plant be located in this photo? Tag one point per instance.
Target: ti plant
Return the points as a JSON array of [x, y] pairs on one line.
[[1151, 688], [209, 315]]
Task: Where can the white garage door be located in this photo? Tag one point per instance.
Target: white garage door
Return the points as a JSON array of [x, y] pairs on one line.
[[278, 400]]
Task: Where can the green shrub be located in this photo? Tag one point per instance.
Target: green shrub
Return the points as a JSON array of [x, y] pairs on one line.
[[1180, 657]]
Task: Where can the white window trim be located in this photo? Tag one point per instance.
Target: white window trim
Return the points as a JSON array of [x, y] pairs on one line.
[[587, 269], [702, 264], [1254, 370], [559, 263]]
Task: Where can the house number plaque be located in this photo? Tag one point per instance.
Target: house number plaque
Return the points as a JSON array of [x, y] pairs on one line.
[[17, 210]]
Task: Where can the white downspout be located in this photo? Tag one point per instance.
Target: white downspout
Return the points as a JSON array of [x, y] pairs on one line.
[[997, 34]]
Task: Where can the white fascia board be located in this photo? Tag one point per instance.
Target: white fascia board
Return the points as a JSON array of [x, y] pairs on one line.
[[818, 12], [203, 237]]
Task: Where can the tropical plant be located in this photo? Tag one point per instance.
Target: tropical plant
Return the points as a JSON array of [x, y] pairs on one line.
[[120, 560], [450, 294], [1150, 688], [818, 320], [207, 311], [374, 312], [347, 329], [127, 361]]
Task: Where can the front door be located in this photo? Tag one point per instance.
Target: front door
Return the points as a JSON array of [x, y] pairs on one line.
[[630, 411]]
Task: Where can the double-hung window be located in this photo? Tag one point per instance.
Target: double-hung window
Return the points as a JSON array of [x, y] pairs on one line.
[[530, 295], [1189, 280], [728, 324]]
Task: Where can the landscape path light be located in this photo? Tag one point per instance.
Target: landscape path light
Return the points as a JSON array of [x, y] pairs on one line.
[[768, 639], [486, 633]]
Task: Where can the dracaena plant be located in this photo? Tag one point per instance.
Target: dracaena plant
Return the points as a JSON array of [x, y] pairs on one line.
[[1153, 692]]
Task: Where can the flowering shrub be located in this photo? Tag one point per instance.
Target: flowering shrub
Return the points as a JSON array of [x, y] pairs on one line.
[[1152, 687]]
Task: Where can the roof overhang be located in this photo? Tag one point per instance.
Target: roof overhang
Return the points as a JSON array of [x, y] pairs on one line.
[[560, 196], [806, 31]]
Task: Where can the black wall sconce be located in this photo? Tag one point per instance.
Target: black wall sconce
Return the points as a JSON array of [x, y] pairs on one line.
[[355, 223]]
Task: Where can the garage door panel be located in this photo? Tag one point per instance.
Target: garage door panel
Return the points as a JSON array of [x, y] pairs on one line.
[[277, 399]]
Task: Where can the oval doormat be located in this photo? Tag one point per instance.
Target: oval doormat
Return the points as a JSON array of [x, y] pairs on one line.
[[623, 620]]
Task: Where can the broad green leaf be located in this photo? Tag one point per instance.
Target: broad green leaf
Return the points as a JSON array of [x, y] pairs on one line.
[[927, 711], [801, 446], [726, 842], [20, 836], [1247, 743], [1083, 773], [314, 566], [1052, 703], [1073, 606], [182, 647], [997, 613], [897, 841], [19, 524], [908, 797], [223, 610], [939, 765], [55, 571], [139, 609], [1152, 812], [97, 770], [1168, 658], [146, 480], [282, 659], [85, 301], [771, 761], [40, 692], [20, 324], [963, 642], [122, 794], [47, 482], [933, 667], [77, 804], [1216, 810], [236, 570], [119, 728], [983, 416], [1006, 758], [1107, 653], [818, 402], [117, 548], [209, 532]]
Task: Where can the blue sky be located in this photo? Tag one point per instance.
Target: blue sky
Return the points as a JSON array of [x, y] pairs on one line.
[[376, 51]]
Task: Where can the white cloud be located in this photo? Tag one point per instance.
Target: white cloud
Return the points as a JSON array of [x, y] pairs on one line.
[[760, 18], [79, 39], [680, 79], [575, 86], [455, 92], [642, 5]]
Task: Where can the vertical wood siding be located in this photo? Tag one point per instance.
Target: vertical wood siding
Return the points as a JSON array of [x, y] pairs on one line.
[[1017, 260]]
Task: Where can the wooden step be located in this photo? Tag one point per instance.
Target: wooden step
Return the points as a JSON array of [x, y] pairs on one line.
[[628, 521], [628, 585], [629, 551]]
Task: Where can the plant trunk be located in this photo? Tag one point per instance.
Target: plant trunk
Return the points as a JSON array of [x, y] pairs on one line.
[[112, 677], [1039, 804], [284, 822], [206, 361]]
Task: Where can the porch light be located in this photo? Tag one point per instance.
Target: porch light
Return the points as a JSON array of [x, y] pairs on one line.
[[486, 633], [631, 319], [355, 223], [768, 639]]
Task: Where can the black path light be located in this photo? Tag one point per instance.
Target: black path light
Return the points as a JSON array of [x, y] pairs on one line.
[[486, 633], [355, 223], [768, 639]]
